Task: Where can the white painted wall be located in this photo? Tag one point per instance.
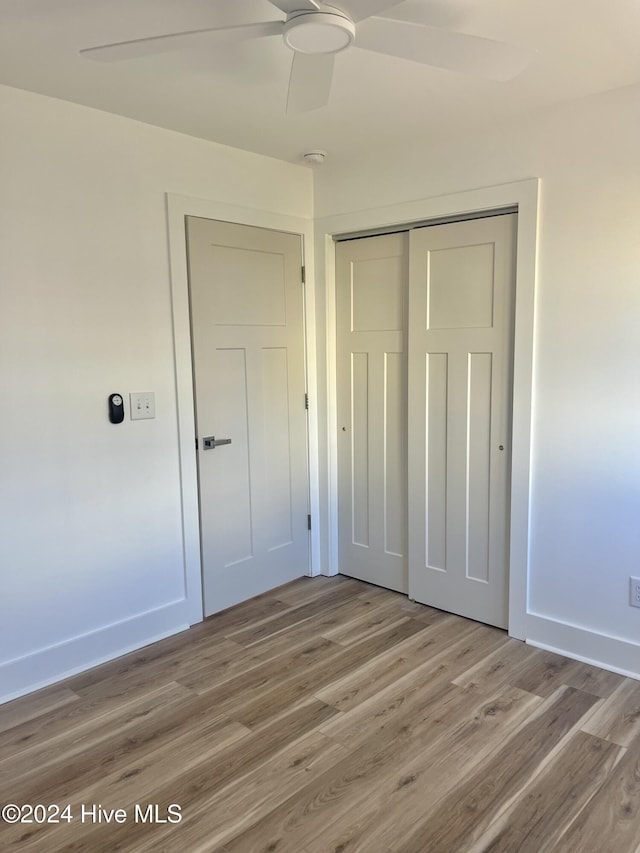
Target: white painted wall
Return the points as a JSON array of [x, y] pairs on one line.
[[90, 522], [585, 518]]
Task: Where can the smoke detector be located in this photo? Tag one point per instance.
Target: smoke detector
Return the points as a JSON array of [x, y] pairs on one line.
[[314, 158]]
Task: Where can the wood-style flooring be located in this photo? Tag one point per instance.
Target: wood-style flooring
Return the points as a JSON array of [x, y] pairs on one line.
[[329, 716]]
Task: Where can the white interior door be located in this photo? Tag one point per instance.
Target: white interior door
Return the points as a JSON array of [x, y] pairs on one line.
[[461, 296], [371, 282], [248, 359]]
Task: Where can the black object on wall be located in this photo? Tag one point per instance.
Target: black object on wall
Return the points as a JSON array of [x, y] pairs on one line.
[[116, 408]]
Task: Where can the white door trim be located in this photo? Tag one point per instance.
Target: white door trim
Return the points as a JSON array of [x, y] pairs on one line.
[[178, 207], [523, 195]]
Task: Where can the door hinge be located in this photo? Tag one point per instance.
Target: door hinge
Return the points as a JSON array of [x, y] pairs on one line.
[[308, 522], [306, 401], [196, 443], [303, 275]]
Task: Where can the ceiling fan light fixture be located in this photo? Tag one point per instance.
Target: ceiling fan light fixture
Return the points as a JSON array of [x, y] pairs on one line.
[[319, 32]]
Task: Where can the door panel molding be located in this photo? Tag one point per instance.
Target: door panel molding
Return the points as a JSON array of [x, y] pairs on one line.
[[179, 207], [371, 340], [257, 400], [461, 417]]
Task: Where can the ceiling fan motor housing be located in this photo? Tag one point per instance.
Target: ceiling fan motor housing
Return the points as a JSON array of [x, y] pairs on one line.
[[318, 32]]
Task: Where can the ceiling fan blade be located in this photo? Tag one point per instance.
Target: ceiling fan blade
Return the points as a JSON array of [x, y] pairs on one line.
[[358, 10], [176, 41], [310, 81], [288, 6], [442, 48]]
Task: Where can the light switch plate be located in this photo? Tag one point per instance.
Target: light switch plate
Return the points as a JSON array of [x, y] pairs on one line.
[[142, 404]]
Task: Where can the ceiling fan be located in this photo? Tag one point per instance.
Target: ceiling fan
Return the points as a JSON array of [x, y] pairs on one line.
[[316, 32]]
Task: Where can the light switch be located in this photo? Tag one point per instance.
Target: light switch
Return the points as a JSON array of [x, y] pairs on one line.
[[142, 404]]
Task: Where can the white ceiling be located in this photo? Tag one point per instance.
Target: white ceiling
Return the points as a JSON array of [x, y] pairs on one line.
[[236, 95]]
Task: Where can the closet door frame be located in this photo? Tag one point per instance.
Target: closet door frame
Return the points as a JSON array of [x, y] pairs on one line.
[[523, 197]]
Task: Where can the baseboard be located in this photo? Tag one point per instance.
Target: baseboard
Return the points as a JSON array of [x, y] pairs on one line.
[[572, 641], [53, 663]]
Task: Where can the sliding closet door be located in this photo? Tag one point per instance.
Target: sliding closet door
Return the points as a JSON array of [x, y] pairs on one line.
[[371, 280], [461, 296]]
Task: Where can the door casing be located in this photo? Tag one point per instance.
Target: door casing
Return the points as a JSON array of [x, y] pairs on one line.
[[523, 196], [178, 207]]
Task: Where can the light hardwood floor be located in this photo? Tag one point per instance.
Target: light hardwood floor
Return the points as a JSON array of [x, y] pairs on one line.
[[330, 716]]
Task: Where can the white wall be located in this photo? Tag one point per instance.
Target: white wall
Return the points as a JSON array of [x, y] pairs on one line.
[[585, 519], [90, 527]]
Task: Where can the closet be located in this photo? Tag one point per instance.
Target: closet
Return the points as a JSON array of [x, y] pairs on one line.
[[424, 344]]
